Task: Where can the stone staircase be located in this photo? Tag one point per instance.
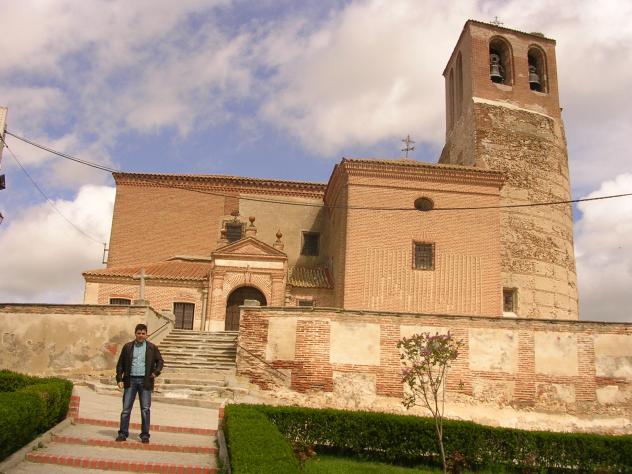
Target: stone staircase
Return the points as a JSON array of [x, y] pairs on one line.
[[88, 446], [197, 350], [199, 370]]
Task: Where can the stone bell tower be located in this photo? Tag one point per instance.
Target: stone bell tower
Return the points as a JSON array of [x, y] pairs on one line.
[[503, 113]]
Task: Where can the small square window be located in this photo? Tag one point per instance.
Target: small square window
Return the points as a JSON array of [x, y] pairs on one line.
[[510, 300], [234, 231], [306, 303], [311, 242], [423, 256], [121, 301]]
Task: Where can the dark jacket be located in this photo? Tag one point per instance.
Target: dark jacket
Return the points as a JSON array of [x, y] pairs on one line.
[[153, 365]]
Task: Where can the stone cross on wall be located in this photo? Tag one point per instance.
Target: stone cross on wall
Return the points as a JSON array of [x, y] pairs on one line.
[[141, 301]]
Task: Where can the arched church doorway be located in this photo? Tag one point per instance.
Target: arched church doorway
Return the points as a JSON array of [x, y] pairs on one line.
[[235, 300]]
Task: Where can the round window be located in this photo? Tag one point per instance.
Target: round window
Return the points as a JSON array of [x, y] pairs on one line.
[[424, 204]]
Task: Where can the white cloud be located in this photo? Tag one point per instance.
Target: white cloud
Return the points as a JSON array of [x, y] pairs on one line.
[[603, 247], [43, 255], [373, 72]]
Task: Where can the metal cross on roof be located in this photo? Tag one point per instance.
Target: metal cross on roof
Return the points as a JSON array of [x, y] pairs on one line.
[[408, 145], [496, 21]]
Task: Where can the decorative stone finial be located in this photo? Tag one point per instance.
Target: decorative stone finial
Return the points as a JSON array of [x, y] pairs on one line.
[[278, 244], [251, 230]]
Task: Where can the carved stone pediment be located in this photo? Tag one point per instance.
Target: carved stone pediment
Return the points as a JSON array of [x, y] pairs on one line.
[[249, 252]]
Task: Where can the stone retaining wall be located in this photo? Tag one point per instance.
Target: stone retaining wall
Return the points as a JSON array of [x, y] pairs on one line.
[[47, 339], [577, 368]]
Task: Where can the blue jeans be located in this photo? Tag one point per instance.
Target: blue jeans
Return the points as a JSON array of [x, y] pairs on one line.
[[129, 395]]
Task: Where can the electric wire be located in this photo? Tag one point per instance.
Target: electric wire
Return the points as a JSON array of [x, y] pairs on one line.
[[307, 204], [48, 200]]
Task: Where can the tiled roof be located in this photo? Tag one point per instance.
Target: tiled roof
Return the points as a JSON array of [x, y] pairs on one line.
[[169, 270], [304, 277]]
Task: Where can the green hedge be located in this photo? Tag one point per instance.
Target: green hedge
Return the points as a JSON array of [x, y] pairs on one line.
[[29, 406], [12, 381], [410, 440], [255, 445]]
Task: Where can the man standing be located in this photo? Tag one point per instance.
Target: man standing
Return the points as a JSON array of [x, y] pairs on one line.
[[138, 365]]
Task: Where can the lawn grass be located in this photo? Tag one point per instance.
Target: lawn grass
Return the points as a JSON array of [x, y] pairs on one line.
[[336, 465]]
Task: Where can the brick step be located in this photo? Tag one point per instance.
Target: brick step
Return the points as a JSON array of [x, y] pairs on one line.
[[94, 435], [154, 427], [172, 380], [109, 459]]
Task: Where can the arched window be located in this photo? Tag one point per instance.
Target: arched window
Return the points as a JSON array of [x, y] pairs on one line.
[[459, 85], [500, 61], [537, 69]]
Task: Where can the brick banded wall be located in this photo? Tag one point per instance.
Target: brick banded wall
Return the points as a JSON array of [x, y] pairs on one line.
[[563, 367]]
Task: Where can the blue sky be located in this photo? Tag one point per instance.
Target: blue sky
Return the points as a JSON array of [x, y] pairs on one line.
[[278, 89]]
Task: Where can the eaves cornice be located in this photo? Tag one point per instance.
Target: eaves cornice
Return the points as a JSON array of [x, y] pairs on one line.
[[223, 184]]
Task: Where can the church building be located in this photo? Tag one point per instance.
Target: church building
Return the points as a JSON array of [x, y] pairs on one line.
[[466, 236]]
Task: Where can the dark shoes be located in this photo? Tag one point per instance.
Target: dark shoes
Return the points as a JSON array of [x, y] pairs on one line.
[[144, 440], [121, 438]]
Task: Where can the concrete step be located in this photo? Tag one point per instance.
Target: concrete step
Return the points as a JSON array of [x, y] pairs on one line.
[[197, 350], [195, 388], [200, 366], [174, 380], [177, 332]]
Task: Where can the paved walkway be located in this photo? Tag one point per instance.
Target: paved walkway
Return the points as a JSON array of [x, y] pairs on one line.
[[108, 407]]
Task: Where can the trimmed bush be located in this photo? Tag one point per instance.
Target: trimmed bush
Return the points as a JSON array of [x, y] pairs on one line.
[[410, 440], [34, 406], [255, 445], [21, 416], [12, 381]]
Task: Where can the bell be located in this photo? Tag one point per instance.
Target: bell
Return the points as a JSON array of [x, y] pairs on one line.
[[495, 69], [534, 79]]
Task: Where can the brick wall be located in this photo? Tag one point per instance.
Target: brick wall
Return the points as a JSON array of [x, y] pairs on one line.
[[379, 246], [564, 367], [160, 295]]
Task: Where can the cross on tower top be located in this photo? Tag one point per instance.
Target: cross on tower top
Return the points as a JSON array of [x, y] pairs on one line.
[[496, 21], [408, 145]]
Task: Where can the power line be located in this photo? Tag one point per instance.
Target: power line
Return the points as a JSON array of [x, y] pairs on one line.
[[63, 155], [50, 202], [307, 204]]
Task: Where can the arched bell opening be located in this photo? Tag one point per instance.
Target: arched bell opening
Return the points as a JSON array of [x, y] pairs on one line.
[[235, 300], [500, 61], [537, 69]]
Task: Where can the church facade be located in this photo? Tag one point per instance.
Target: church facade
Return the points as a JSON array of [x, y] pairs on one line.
[[466, 236]]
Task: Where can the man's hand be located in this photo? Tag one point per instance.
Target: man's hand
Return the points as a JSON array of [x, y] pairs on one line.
[[120, 385]]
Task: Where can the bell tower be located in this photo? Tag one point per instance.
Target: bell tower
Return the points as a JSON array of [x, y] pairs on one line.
[[503, 113]]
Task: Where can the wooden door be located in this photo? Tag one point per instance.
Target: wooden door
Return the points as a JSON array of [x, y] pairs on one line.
[[235, 300], [184, 315]]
